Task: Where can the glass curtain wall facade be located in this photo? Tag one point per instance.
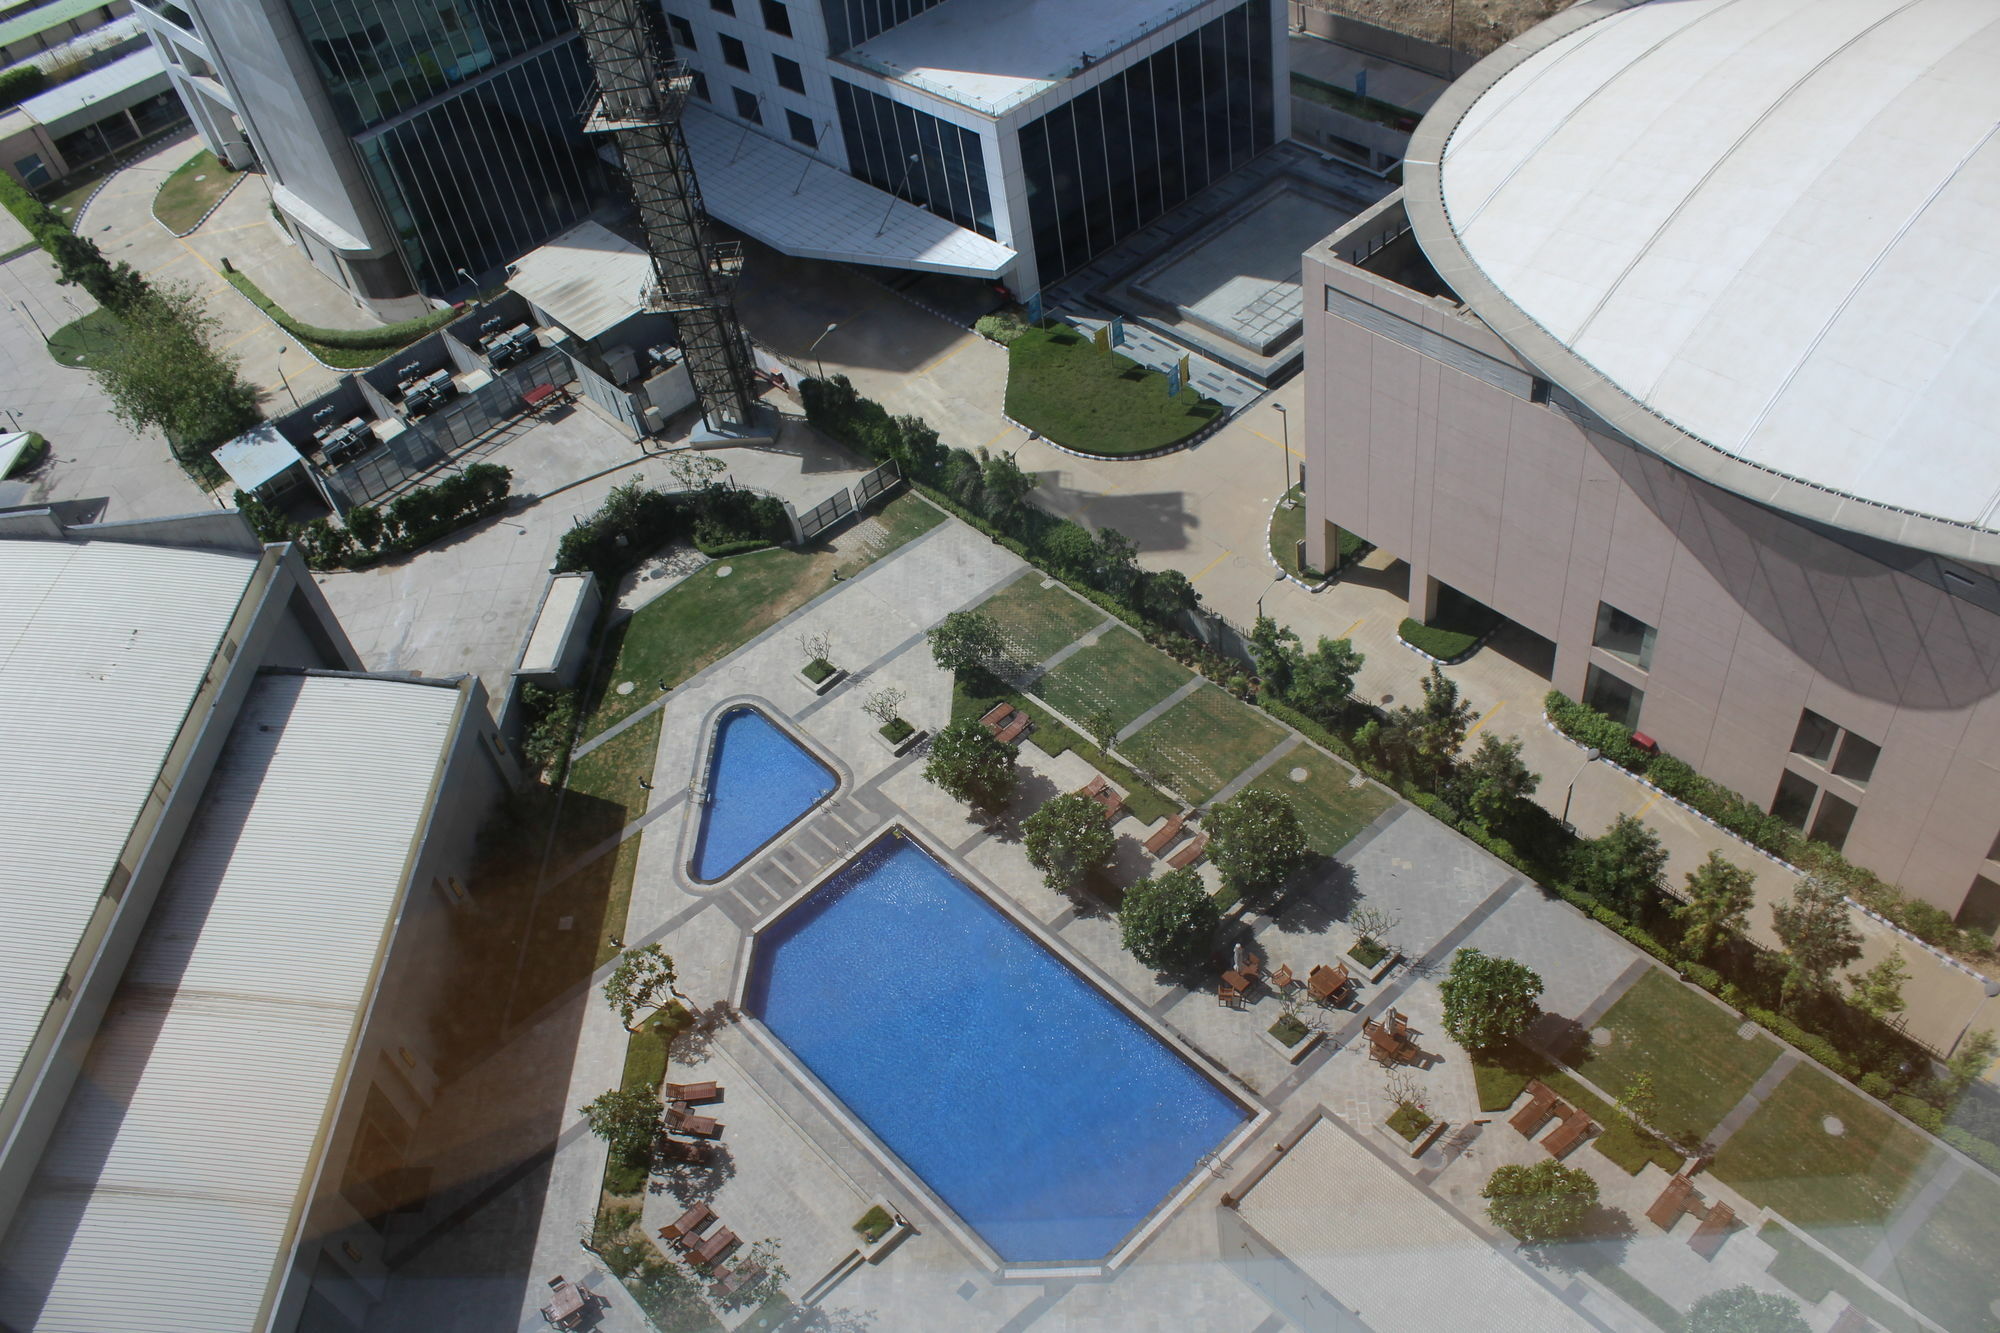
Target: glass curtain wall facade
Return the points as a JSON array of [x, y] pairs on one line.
[[489, 172], [1115, 157], [852, 22], [949, 174]]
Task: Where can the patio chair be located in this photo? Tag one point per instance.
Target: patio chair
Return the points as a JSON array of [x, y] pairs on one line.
[[1282, 979], [1714, 1229], [694, 1092], [1228, 996], [1528, 1121], [675, 1150], [1163, 837], [1564, 1137], [689, 1222], [682, 1121], [1191, 853]]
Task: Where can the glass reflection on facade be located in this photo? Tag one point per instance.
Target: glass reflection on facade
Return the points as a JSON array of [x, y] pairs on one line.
[[1117, 156], [490, 172], [379, 58], [852, 22], [948, 175]]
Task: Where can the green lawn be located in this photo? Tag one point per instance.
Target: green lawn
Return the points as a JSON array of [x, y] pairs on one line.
[[78, 188], [1203, 741], [77, 342], [974, 695], [1502, 1073], [1810, 1275], [1095, 402], [1288, 529], [1947, 1269], [706, 617], [1688, 1045], [1121, 675], [1331, 810], [1458, 626], [191, 191], [1840, 1187], [603, 795], [1037, 621]]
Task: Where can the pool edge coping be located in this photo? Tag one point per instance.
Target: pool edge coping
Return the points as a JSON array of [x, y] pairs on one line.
[[1170, 1205], [698, 801]]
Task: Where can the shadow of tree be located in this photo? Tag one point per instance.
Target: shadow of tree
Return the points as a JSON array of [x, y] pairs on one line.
[[693, 1043], [695, 1182], [1322, 894]]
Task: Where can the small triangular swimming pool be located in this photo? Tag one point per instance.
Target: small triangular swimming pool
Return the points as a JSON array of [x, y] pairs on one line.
[[760, 781]]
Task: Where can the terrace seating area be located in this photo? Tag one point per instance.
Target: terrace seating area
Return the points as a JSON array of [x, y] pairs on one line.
[[1573, 1125], [681, 1120], [1391, 1043], [704, 1251], [1680, 1196], [569, 1304], [1007, 723], [1107, 797]]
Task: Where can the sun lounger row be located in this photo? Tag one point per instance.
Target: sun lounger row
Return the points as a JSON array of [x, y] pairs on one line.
[[1006, 722], [1543, 1105], [1680, 1196], [684, 1234]]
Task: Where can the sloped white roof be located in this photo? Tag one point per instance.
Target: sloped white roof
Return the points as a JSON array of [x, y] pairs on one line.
[[164, 1202], [589, 279], [102, 648], [1769, 222]]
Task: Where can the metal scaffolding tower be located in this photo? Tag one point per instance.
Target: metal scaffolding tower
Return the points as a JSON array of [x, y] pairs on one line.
[[640, 96]]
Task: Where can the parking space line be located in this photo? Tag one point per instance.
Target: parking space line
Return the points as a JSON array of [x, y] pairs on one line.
[[1211, 565], [1473, 730]]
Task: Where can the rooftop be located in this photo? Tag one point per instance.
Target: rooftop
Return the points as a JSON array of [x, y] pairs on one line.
[[167, 1198], [991, 55], [103, 646], [589, 279], [124, 82], [257, 456], [44, 17], [1756, 235]]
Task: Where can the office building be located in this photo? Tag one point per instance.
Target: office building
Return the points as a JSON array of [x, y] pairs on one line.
[[235, 861], [407, 146], [1676, 349]]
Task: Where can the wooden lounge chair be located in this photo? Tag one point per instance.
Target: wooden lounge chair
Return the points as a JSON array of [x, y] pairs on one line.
[[682, 1121], [1012, 732], [1106, 796], [1528, 1121], [689, 1222], [1228, 996], [1164, 835], [1328, 985], [1673, 1201], [732, 1280], [1572, 1131], [1714, 1229], [1189, 854], [996, 717], [1282, 979], [694, 1092], [675, 1150], [721, 1243]]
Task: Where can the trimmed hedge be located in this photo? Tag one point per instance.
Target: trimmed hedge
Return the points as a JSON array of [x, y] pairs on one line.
[[114, 286], [20, 82], [385, 338], [636, 520]]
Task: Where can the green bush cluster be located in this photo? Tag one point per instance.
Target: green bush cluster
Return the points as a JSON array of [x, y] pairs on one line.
[[718, 521], [1446, 645], [78, 260], [412, 520], [22, 81], [549, 723], [1002, 326], [1742, 817], [31, 456], [386, 337]]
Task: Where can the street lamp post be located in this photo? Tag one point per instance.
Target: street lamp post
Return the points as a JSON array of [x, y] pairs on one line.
[[1286, 460], [286, 379], [1589, 757], [1260, 596], [813, 351]]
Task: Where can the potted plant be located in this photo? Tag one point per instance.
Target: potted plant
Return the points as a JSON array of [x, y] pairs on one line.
[[1297, 1030], [895, 733], [879, 1229], [1371, 948], [1409, 1121], [819, 673]]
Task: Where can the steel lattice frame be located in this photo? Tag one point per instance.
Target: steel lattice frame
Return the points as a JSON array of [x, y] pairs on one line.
[[640, 98]]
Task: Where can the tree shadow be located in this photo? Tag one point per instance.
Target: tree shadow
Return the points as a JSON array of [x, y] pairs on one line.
[[1322, 894], [692, 1044], [695, 1182]]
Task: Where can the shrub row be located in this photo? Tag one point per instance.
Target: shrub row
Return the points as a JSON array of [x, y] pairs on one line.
[[1446, 645], [20, 82], [386, 337], [412, 520], [79, 261], [1742, 817], [636, 520]]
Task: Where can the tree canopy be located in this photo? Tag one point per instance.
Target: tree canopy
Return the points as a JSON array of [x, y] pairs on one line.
[[1488, 1000], [966, 641], [966, 762], [1541, 1203], [641, 983], [1067, 840], [1625, 867], [1818, 934], [1168, 922], [628, 1119], [1256, 841], [1719, 896]]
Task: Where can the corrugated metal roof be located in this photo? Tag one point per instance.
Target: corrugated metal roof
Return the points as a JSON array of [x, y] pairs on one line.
[[102, 648], [163, 1202], [126, 81], [589, 279], [44, 17]]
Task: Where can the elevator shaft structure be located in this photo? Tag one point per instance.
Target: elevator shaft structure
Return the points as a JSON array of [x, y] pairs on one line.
[[640, 97]]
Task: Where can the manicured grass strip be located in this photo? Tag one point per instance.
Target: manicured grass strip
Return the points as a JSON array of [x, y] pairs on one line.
[[1203, 741], [1841, 1187], [1288, 529], [1947, 1270], [645, 1068], [1642, 1298], [973, 696], [182, 199], [1810, 1276], [1037, 622], [347, 349], [1458, 626], [1689, 1047], [1501, 1074], [1120, 675], [78, 342], [1096, 402], [603, 795], [1331, 810]]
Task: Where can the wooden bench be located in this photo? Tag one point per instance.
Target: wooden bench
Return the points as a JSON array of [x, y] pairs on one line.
[[1106, 796], [1673, 1201], [1714, 1229], [1165, 834], [1528, 1121], [996, 716], [1189, 854], [1572, 1131]]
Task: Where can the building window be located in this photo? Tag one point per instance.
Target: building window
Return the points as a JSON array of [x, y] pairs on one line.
[[790, 76], [777, 18], [723, 7], [33, 171], [1794, 800], [1119, 154], [700, 84], [733, 53], [802, 129], [915, 156], [746, 106], [1616, 699], [1627, 638], [683, 32], [1815, 737], [1856, 761], [1835, 817]]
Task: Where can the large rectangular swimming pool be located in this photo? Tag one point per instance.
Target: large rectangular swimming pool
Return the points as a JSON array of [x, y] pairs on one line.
[[1042, 1112]]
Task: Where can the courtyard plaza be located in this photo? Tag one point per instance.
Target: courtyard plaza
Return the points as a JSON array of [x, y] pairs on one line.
[[1206, 511], [793, 1170]]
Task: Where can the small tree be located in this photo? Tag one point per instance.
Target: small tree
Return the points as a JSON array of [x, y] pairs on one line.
[[1719, 897], [628, 1119], [1071, 549], [1324, 680], [1257, 841], [1975, 1052], [1167, 922], [165, 372], [1371, 925], [1165, 595], [1638, 1101], [1879, 990], [967, 640], [966, 762], [365, 523], [1541, 1203], [770, 1280], [1424, 741], [1102, 726], [1488, 1000], [1745, 1309], [641, 983], [1067, 839], [817, 645], [1625, 868], [885, 704], [693, 470], [1275, 649], [1493, 782], [1117, 563], [1004, 486], [1818, 935]]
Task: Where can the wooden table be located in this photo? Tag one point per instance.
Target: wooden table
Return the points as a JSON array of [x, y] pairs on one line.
[[1236, 981], [566, 1307]]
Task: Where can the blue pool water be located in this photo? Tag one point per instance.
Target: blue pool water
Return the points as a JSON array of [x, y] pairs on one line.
[[760, 780], [1047, 1117]]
